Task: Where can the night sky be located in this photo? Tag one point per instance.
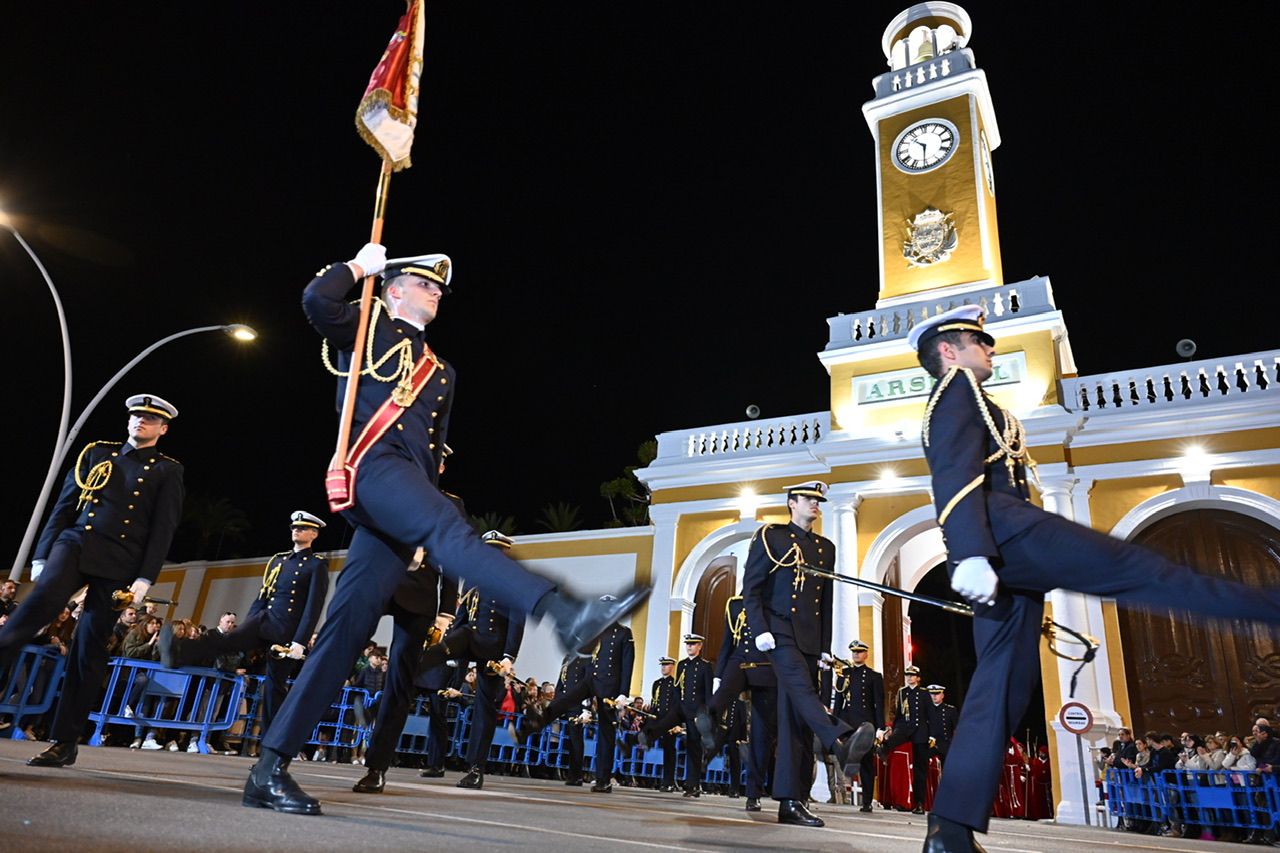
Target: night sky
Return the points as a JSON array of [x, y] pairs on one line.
[[652, 209]]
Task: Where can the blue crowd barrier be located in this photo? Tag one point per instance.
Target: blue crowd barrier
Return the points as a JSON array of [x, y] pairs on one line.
[[193, 699], [341, 724], [31, 685], [252, 696], [1217, 799]]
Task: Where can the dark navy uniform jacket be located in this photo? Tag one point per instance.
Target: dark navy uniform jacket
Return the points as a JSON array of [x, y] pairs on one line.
[[860, 696], [782, 600], [419, 434], [911, 712], [739, 647], [125, 528], [663, 697], [693, 680], [613, 661], [978, 508], [494, 634], [573, 671], [291, 600], [942, 725]]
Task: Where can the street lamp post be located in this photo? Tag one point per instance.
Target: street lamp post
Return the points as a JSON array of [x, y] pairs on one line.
[[7, 223], [236, 330]]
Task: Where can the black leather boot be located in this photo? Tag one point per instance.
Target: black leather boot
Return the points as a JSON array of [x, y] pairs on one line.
[[372, 783], [605, 787], [473, 779], [580, 623], [57, 755], [753, 804], [947, 836], [850, 749], [432, 773], [795, 813], [270, 786]]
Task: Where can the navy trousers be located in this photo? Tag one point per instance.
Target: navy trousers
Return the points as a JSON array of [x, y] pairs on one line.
[[1057, 553], [409, 633], [87, 656], [764, 740], [397, 510], [801, 715], [570, 701], [764, 724]]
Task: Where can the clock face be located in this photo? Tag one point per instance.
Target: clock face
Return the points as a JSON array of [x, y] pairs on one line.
[[925, 145], [987, 169]]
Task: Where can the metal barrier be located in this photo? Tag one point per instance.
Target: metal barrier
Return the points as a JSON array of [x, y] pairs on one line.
[[193, 699], [1211, 799], [340, 723], [32, 685]]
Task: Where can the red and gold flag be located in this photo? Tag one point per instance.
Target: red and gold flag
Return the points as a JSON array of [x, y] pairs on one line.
[[388, 112]]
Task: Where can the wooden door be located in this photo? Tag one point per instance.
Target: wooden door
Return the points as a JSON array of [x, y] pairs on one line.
[[1196, 675], [715, 588]]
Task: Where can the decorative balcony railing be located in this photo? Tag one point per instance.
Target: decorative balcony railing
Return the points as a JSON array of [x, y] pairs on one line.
[[1236, 378], [1023, 298], [745, 437]]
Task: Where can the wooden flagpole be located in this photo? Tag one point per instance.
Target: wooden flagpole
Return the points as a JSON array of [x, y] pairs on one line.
[[336, 483]]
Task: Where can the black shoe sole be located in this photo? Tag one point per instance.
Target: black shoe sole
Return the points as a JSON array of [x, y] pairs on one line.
[[362, 789]]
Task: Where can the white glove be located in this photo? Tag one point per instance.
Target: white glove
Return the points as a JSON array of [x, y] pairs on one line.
[[139, 590], [296, 651], [827, 658], [584, 717], [370, 260], [715, 685], [443, 622], [880, 733], [765, 642], [37, 566], [975, 580], [622, 701]]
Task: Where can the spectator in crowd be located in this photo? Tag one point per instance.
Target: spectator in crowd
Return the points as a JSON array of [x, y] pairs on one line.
[[8, 596], [1123, 750], [140, 644], [371, 678], [128, 618], [469, 682], [1192, 756], [1141, 757], [56, 634], [1238, 756], [1266, 749]]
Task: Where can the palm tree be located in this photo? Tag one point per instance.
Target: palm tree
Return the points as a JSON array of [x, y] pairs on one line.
[[561, 517], [504, 524], [208, 517]]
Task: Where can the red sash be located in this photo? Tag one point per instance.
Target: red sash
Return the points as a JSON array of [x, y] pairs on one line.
[[340, 480]]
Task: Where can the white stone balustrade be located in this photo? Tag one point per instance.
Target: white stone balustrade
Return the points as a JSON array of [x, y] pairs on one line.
[[1236, 378], [1023, 298], [745, 437]]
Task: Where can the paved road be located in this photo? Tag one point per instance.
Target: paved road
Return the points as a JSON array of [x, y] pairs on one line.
[[126, 800]]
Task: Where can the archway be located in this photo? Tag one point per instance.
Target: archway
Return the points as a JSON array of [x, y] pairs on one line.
[[717, 585]]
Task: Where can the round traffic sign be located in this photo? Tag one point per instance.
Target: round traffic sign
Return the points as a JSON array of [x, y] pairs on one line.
[[1076, 717]]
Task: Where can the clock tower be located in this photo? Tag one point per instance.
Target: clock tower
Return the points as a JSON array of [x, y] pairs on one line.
[[934, 129]]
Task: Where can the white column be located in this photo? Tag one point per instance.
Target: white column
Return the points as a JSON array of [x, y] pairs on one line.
[[1068, 497], [663, 567], [841, 528]]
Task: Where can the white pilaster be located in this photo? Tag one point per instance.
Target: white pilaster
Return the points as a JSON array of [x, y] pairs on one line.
[[842, 529], [664, 518], [1068, 497]]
